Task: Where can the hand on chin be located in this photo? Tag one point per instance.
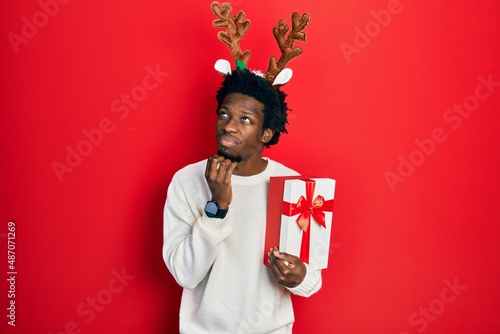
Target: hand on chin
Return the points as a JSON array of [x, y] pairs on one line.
[[227, 155]]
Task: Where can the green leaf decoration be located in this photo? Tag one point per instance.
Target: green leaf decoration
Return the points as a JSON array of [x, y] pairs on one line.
[[241, 65]]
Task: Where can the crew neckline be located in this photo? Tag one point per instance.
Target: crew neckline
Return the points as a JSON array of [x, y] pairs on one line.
[[257, 178]]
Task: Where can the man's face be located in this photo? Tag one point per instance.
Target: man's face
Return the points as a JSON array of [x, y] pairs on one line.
[[239, 128]]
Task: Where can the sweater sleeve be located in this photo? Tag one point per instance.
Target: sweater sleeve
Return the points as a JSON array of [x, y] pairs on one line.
[[191, 243], [310, 285]]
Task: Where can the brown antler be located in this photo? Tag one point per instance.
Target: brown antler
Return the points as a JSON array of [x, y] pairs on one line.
[[288, 52], [235, 30]]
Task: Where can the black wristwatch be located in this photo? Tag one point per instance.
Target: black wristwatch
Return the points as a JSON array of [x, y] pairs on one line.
[[213, 210]]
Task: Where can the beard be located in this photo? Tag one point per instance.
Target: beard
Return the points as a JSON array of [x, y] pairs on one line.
[[233, 158]]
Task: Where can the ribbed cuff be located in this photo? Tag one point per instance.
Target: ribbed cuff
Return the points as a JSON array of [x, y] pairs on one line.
[[310, 285], [216, 224]]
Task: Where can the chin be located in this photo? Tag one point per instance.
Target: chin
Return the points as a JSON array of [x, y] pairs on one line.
[[232, 157]]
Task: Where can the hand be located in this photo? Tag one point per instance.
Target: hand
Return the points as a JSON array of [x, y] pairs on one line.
[[218, 175], [288, 269]]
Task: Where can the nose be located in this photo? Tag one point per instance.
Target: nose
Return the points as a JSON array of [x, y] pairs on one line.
[[230, 125]]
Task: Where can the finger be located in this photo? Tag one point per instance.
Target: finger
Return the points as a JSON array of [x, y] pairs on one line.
[[207, 167], [270, 254], [230, 170], [287, 259], [280, 267], [276, 270], [222, 169], [272, 257], [213, 162], [281, 272]]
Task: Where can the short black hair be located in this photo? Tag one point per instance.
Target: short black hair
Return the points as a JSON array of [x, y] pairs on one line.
[[253, 85]]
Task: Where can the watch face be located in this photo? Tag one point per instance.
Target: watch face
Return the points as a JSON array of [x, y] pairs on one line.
[[211, 209]]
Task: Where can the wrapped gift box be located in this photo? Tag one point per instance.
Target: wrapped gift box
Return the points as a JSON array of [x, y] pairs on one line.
[[299, 218]]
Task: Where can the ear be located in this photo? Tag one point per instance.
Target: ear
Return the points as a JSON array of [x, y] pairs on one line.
[[267, 134]]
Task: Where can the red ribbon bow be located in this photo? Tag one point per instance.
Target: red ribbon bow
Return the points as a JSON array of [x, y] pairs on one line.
[[307, 208]]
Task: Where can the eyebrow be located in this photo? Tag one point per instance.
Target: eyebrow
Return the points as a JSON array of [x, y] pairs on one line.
[[244, 110], [249, 112]]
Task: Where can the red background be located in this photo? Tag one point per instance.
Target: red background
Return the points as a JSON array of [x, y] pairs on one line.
[[354, 118]]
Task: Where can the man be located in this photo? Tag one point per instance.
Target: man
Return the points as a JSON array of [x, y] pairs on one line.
[[215, 220]]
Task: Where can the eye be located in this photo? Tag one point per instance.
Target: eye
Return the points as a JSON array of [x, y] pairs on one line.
[[246, 120], [223, 114]]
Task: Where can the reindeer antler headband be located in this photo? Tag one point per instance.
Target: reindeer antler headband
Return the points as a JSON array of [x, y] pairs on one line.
[[237, 27]]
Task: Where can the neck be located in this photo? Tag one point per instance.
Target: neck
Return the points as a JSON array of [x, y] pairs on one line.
[[250, 167]]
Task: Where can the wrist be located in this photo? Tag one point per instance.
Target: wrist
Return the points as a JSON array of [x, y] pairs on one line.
[[223, 204]]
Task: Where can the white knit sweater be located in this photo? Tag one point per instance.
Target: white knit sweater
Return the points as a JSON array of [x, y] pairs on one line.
[[219, 262]]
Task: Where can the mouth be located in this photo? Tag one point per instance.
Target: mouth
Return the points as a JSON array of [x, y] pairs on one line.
[[227, 141]]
